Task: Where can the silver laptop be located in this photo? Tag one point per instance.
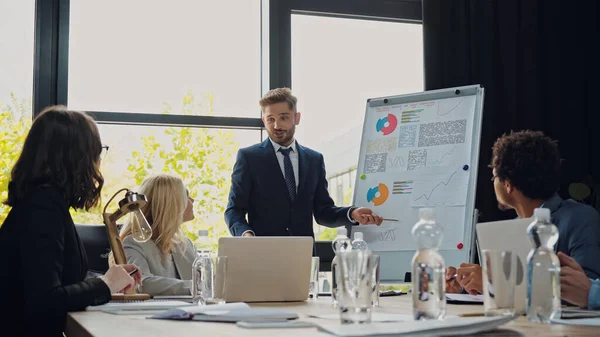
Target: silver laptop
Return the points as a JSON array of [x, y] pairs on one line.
[[267, 269], [509, 235]]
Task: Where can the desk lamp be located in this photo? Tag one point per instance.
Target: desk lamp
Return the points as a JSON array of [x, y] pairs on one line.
[[140, 231]]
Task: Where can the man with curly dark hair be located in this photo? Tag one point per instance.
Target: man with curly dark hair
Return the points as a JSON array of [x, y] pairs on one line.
[[526, 172], [526, 175]]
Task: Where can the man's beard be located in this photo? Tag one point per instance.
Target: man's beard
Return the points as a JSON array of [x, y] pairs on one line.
[[287, 136]]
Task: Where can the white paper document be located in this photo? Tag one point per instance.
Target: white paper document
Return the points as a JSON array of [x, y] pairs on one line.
[[448, 327], [375, 317], [228, 312], [578, 321], [139, 305], [467, 298], [216, 309], [583, 317]]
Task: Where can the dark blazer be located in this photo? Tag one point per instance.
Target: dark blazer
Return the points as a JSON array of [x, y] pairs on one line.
[[258, 189], [578, 232], [44, 267]]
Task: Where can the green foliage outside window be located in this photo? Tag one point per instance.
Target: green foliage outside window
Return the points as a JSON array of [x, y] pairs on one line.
[[203, 158], [15, 121], [329, 234]]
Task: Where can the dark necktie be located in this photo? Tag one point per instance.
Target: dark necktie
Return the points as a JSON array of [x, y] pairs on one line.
[[290, 180]]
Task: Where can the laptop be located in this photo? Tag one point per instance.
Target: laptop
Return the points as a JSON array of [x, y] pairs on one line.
[[509, 235], [267, 269]]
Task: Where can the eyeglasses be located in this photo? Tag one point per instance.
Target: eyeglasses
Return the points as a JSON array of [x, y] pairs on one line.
[[103, 152]]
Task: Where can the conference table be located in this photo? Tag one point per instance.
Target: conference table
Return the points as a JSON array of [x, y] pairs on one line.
[[94, 323]]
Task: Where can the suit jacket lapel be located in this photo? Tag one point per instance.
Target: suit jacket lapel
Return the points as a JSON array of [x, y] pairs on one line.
[[302, 167], [272, 168]]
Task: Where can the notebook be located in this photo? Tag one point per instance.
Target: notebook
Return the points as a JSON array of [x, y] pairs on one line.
[[139, 307], [228, 312]]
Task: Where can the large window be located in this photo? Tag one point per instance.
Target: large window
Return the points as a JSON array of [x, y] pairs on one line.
[[177, 58], [337, 64], [144, 56], [16, 84], [179, 81]]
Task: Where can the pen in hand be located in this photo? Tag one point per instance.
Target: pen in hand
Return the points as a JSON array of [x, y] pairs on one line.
[[133, 271], [384, 219]]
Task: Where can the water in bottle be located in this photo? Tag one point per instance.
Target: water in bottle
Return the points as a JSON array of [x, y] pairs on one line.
[[428, 279], [203, 244], [341, 243], [543, 269], [202, 268], [359, 243]]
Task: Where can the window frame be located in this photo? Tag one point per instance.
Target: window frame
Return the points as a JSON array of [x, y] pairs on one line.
[[51, 58], [280, 22], [51, 66]]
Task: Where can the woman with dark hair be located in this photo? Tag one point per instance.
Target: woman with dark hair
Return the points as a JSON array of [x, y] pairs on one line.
[[43, 262]]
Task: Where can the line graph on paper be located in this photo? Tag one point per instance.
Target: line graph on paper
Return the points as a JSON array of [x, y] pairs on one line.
[[449, 189], [439, 157], [450, 110]]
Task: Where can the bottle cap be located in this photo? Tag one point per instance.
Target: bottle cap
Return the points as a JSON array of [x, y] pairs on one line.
[[358, 236], [542, 214], [203, 232], [342, 231], [426, 214]]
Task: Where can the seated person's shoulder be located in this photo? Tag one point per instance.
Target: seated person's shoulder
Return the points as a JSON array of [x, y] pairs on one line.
[[129, 242], [581, 214], [43, 209], [45, 197], [186, 243], [188, 247]]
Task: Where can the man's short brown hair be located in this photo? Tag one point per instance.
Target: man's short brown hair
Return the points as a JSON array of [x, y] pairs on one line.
[[530, 161], [278, 95]]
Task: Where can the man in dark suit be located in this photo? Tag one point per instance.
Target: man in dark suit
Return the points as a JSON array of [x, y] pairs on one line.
[[281, 184], [526, 175]]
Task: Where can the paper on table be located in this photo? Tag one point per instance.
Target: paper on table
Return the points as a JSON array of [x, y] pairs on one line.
[[216, 309], [184, 298], [447, 327], [229, 312], [573, 313], [466, 298], [186, 312], [375, 317], [138, 305], [578, 321]]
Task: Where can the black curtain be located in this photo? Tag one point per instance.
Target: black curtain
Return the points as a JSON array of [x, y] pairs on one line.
[[538, 61]]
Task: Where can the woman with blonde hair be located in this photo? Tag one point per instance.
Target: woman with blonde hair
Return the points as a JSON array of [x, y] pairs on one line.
[[165, 260]]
